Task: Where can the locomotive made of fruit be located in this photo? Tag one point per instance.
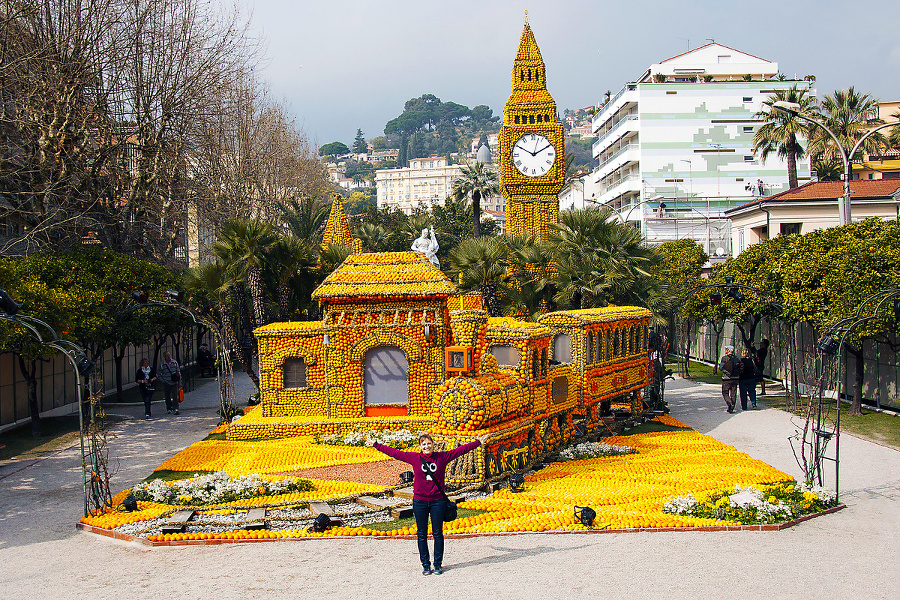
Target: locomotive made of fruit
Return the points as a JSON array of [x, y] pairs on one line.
[[399, 347]]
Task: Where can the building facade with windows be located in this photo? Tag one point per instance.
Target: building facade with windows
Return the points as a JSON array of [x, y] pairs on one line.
[[810, 207], [426, 181], [675, 147]]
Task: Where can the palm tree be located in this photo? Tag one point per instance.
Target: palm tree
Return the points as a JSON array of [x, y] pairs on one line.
[[213, 281], [476, 181], [780, 131], [374, 238], [848, 115], [242, 245], [333, 256], [304, 217], [894, 138], [480, 264], [828, 171], [600, 259], [286, 258], [533, 276]]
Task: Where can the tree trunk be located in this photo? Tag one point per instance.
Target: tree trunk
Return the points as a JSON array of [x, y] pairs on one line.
[[118, 356], [792, 170], [284, 300], [476, 214], [489, 293], [257, 295], [34, 410], [792, 360], [856, 403]]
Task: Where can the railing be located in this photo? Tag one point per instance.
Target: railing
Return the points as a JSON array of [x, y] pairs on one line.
[[618, 153], [627, 87], [621, 180], [612, 130]]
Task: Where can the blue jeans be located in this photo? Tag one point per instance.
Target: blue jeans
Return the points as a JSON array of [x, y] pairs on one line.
[[747, 387], [422, 509], [146, 395]]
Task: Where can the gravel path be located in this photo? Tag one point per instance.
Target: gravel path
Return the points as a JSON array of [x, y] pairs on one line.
[[853, 553]]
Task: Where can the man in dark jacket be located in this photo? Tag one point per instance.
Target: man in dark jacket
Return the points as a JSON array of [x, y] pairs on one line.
[[731, 375]]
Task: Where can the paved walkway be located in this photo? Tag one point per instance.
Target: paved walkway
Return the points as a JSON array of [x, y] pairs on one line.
[[853, 553]]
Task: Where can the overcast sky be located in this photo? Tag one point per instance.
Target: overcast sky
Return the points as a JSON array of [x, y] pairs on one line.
[[343, 64]]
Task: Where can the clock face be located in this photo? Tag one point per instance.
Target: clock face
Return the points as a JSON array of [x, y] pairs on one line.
[[533, 155]]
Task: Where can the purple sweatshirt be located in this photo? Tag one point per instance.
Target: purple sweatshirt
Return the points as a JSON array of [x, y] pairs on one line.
[[425, 475]]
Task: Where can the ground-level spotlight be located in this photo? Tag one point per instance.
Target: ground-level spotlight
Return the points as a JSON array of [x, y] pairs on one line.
[[84, 364], [129, 504], [715, 299], [406, 477], [323, 523], [140, 297], [585, 515], [516, 483]]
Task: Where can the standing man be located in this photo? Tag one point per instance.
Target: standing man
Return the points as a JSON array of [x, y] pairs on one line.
[[170, 375], [731, 375]]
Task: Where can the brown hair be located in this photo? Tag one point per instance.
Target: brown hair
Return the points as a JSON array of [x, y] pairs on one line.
[[426, 436]]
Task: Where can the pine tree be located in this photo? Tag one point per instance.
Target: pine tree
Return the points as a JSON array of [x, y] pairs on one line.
[[359, 143]]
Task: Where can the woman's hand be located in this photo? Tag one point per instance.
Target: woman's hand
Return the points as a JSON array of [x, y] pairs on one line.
[[483, 438]]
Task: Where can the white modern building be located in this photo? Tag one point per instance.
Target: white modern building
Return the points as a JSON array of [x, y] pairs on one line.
[[675, 147]]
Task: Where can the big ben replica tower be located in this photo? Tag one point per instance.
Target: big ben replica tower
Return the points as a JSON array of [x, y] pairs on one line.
[[532, 150]]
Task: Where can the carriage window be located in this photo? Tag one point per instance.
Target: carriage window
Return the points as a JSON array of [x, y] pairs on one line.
[[507, 356], [599, 352], [589, 350], [293, 373], [562, 348], [615, 350], [560, 390], [535, 365], [544, 363]]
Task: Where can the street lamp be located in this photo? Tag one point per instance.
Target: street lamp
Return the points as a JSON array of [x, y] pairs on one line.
[[793, 109], [718, 148]]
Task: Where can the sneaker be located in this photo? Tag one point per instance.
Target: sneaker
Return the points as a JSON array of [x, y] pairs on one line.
[[168, 412], [426, 571], [729, 410], [146, 416], [439, 570], [176, 412], [754, 406]]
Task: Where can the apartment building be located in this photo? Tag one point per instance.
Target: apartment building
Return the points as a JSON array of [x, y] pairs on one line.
[[425, 181], [675, 146]]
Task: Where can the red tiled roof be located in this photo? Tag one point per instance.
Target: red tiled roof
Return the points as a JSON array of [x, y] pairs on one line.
[[860, 189]]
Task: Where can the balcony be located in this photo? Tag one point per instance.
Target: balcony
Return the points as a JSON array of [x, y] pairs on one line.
[[625, 124], [615, 189], [624, 96], [629, 153]]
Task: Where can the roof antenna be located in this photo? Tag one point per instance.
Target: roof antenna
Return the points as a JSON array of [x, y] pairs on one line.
[[711, 40]]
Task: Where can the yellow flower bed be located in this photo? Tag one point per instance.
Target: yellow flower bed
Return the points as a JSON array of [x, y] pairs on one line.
[[626, 491], [269, 456]]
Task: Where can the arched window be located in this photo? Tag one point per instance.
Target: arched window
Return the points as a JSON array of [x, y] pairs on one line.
[[293, 373], [544, 363], [599, 353], [535, 365], [562, 348]]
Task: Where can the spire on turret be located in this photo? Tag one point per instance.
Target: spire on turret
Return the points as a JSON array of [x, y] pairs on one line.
[[337, 229]]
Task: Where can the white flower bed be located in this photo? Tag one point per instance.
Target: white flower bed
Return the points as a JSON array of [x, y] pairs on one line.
[[402, 438], [586, 450], [215, 488]]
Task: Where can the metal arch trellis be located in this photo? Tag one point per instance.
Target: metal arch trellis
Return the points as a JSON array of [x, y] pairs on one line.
[[828, 346], [733, 288], [94, 487], [224, 374]]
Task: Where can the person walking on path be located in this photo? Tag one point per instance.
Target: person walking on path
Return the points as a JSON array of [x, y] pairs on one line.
[[170, 375], [428, 498], [747, 382], [145, 376], [761, 355], [731, 375]]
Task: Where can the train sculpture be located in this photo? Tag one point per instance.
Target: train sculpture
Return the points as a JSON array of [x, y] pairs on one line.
[[399, 347]]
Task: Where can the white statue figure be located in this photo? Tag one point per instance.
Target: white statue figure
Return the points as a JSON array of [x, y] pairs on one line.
[[427, 246]]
